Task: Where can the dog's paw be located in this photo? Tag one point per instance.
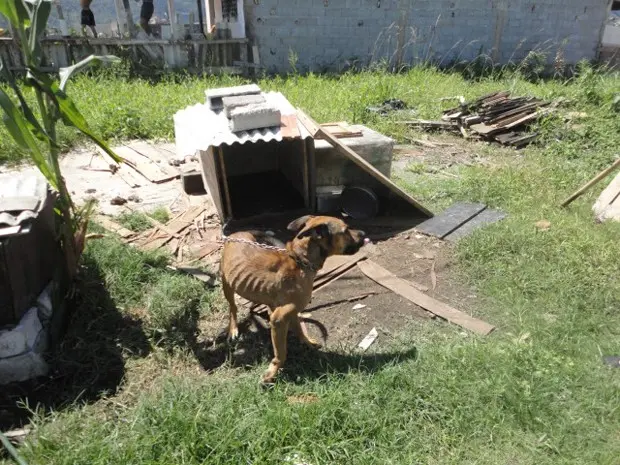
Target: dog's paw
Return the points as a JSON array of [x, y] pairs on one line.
[[267, 383], [233, 335], [313, 343]]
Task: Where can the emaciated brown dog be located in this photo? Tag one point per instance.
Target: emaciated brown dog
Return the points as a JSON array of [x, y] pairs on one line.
[[282, 278]]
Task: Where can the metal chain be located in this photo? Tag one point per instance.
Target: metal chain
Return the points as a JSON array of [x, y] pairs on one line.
[[253, 243], [268, 247]]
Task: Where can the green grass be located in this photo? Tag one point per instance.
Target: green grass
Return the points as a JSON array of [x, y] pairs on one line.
[[139, 222], [533, 392]]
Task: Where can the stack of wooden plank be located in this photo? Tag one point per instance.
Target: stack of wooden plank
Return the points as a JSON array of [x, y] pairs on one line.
[[499, 117]]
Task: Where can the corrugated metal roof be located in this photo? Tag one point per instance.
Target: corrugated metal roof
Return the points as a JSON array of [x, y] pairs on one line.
[[21, 199], [197, 127]]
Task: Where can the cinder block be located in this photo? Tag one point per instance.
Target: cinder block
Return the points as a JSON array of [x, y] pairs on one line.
[[333, 169], [254, 117], [230, 103], [215, 96]]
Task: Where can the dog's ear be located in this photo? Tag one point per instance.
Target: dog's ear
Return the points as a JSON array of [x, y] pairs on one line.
[[299, 223], [319, 231]]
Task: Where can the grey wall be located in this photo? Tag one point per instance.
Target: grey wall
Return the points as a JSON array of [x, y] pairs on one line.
[[326, 34]]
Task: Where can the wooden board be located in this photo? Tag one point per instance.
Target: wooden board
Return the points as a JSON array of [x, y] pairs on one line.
[[484, 129], [450, 219], [125, 171], [143, 165], [157, 155], [113, 226], [359, 161], [341, 130], [177, 225], [288, 127], [607, 206], [401, 287]]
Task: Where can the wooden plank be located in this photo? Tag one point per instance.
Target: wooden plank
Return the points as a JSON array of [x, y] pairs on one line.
[[228, 209], [341, 130], [306, 175], [607, 206], [288, 127], [603, 174], [484, 129], [177, 225], [528, 107], [359, 161], [401, 287], [144, 166], [206, 278], [428, 124], [124, 170], [157, 155], [525, 119], [450, 219], [113, 226]]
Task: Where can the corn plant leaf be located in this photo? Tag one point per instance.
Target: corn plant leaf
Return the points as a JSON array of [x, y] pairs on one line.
[[66, 109], [35, 126], [19, 129], [40, 14], [16, 13], [66, 73]]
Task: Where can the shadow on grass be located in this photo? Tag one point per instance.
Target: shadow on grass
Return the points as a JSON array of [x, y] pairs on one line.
[[88, 363], [303, 363]]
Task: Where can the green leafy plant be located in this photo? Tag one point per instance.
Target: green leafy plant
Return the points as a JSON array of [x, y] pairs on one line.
[[34, 130]]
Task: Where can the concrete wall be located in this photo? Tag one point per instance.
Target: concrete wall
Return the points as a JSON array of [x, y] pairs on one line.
[[329, 34]]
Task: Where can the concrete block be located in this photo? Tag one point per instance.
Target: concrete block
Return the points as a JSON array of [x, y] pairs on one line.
[[230, 103], [332, 169], [254, 117], [215, 96]]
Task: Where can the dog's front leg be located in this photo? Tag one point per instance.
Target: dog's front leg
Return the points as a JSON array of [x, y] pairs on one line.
[[280, 321]]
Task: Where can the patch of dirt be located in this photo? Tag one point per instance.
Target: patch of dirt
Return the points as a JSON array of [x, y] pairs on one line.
[[408, 256], [331, 317], [444, 151]]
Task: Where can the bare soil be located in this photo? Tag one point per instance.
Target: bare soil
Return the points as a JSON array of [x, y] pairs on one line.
[[331, 316]]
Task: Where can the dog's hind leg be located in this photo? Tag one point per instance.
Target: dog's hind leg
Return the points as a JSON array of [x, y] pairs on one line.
[[229, 293], [297, 326], [280, 321]]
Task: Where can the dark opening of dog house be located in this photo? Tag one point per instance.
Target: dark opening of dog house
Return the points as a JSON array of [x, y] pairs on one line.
[[259, 178]]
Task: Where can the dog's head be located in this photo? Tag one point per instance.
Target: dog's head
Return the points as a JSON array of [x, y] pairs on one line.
[[332, 235]]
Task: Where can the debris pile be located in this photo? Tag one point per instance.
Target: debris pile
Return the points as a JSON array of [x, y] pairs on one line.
[[498, 117], [192, 236]]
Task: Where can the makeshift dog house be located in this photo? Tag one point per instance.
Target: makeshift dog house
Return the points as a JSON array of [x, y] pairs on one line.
[[254, 172], [273, 170]]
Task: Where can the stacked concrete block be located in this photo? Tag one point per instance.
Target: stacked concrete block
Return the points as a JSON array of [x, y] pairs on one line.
[[254, 116], [245, 107], [230, 103], [215, 96]]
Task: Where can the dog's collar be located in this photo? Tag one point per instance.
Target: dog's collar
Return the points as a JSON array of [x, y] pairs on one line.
[[304, 264]]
